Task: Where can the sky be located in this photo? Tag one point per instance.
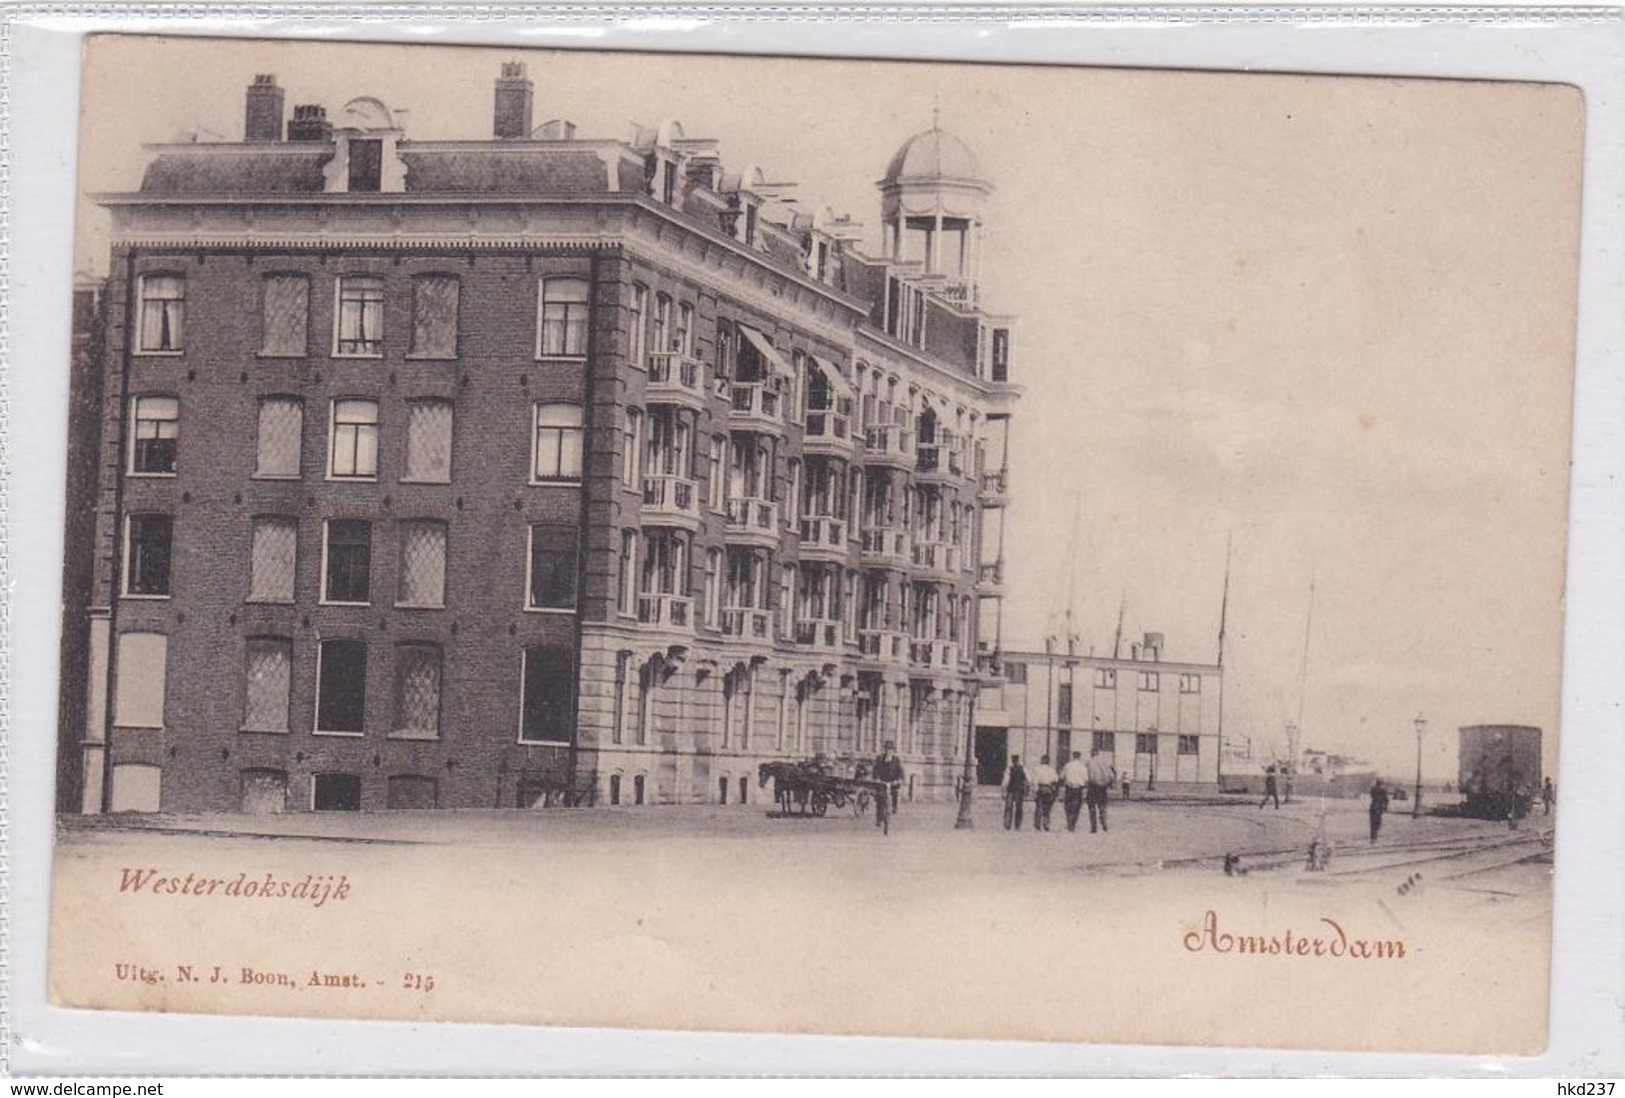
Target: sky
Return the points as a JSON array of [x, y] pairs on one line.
[[1325, 322]]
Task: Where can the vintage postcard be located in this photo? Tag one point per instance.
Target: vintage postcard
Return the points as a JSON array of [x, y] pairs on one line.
[[815, 546]]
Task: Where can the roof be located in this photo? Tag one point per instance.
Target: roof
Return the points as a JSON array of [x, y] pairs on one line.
[[297, 168], [933, 154]]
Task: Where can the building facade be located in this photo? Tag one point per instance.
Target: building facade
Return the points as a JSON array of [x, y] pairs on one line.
[[532, 469], [1158, 721]]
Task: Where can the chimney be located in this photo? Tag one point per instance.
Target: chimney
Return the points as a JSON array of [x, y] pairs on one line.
[[1153, 646], [511, 114], [310, 123], [262, 115]]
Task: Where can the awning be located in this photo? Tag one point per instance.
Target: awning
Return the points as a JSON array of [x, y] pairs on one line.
[[835, 376], [765, 349]]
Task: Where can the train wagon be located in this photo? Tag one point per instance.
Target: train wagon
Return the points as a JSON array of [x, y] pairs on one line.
[[1499, 770]]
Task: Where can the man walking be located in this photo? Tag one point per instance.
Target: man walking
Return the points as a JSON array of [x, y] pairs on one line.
[[1548, 795], [1044, 780], [1101, 774], [1075, 779], [1270, 790], [889, 769], [1015, 792], [1379, 805]]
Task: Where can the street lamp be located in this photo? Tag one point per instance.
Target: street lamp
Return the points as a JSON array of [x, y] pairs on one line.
[[967, 779], [1416, 798]]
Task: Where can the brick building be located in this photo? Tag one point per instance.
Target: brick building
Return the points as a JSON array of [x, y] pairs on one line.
[[531, 468], [1157, 720]]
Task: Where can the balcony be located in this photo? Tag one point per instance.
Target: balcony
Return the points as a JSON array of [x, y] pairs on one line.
[[939, 558], [675, 612], [885, 445], [823, 536], [755, 521], [990, 664], [668, 498], [748, 624], [995, 489], [828, 432], [676, 379], [755, 407], [939, 461], [821, 635], [886, 547], [937, 655], [884, 646], [990, 578]]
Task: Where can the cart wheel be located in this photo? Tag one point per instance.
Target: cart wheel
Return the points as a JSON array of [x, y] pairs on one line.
[[820, 803], [838, 799]]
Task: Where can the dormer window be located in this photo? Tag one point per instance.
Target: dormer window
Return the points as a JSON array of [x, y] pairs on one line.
[[668, 182], [366, 164], [750, 223]]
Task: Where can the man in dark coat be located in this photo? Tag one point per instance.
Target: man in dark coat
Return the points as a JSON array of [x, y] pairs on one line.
[[1271, 790], [889, 769], [1379, 805], [1015, 794]]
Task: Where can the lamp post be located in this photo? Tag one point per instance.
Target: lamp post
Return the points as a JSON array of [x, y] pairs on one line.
[[967, 779], [1416, 799]]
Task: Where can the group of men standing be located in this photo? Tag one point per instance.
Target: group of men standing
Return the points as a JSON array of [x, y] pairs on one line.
[[1080, 782]]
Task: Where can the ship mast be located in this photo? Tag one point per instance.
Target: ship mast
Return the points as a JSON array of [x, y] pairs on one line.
[[1293, 730]]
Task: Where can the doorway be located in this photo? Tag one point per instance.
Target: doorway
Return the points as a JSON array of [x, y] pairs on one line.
[[992, 752]]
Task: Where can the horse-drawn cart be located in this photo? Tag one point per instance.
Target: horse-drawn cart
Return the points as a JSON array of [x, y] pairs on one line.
[[813, 788]]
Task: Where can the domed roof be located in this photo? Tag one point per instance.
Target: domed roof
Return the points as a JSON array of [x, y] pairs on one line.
[[933, 154]]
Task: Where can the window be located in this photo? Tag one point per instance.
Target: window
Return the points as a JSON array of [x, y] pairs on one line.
[[1190, 684], [562, 318], [1103, 742], [417, 691], [284, 315], [1145, 743], [683, 340], [366, 164], [335, 793], [1001, 354], [713, 585], [1150, 681], [267, 676], [341, 686], [163, 310], [434, 316], [631, 442], [558, 442], [428, 442], [423, 564], [662, 324], [153, 435], [1190, 745], [272, 558], [146, 563], [553, 550], [626, 595], [1105, 678], [1063, 703], [143, 665], [719, 472], [347, 574], [360, 327], [277, 450], [548, 708], [614, 789], [637, 346], [353, 445]]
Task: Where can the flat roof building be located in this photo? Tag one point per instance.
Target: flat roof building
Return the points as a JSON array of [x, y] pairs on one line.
[[530, 469], [1156, 720]]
